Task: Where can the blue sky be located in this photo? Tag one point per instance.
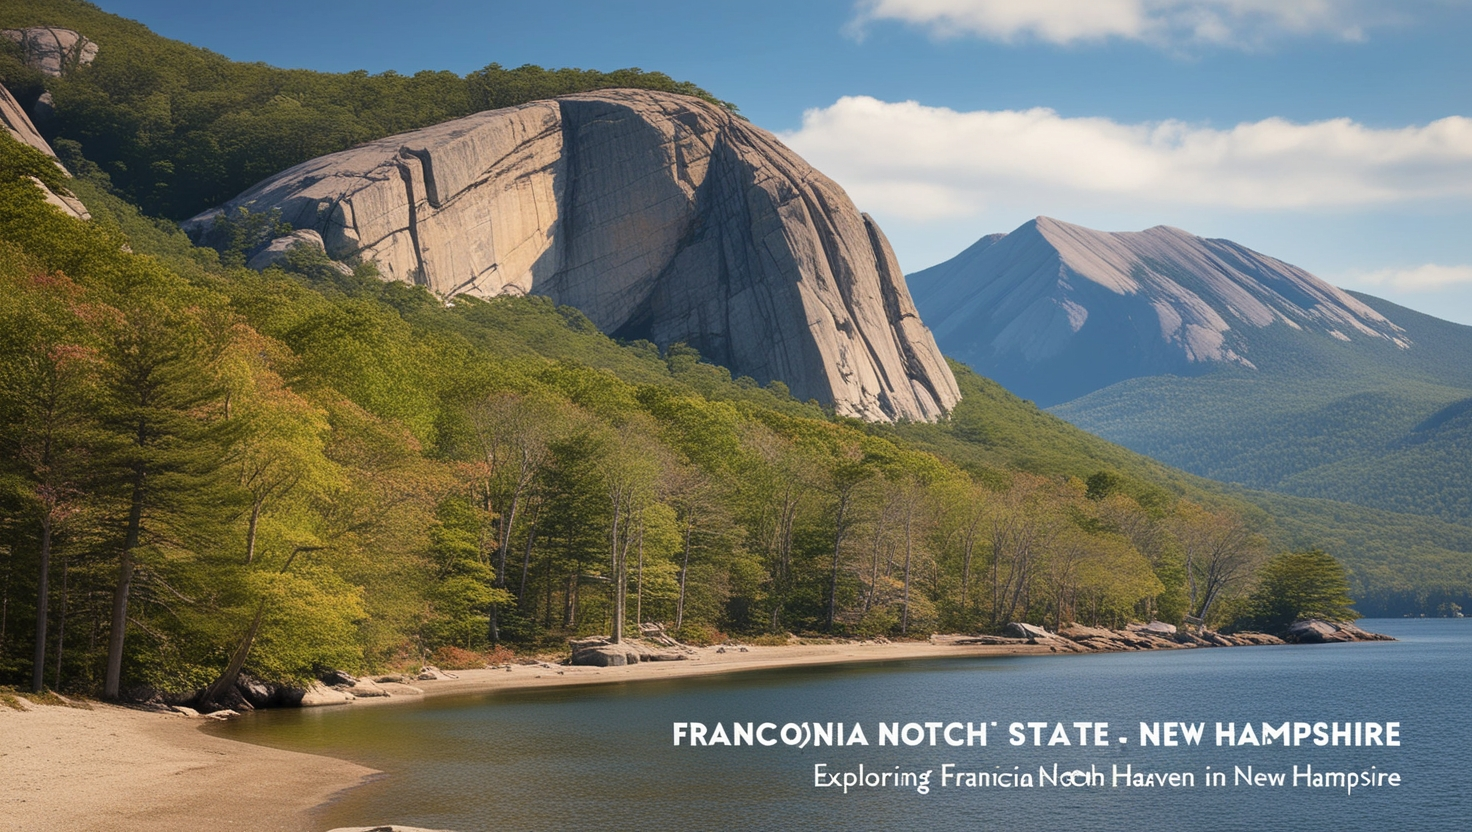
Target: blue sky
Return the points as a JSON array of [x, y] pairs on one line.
[[1329, 133]]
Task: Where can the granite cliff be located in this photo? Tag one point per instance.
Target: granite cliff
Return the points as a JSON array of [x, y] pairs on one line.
[[18, 125], [660, 216]]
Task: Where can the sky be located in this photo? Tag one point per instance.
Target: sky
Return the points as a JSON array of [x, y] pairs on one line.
[[1333, 134]]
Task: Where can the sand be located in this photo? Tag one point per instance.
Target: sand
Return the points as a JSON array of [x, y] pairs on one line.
[[113, 769]]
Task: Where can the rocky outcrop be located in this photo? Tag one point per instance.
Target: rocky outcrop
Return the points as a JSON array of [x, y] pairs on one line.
[[660, 216], [20, 128], [598, 651], [52, 51], [1157, 635], [275, 251], [319, 695], [1315, 631]]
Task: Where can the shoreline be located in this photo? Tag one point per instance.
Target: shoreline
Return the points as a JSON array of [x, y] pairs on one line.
[[112, 768], [705, 662], [115, 768]]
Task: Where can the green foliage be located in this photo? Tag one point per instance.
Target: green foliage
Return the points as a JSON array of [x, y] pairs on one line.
[[180, 129], [1368, 423], [1299, 585]]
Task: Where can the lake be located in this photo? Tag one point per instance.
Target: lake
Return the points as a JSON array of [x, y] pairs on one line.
[[603, 756]]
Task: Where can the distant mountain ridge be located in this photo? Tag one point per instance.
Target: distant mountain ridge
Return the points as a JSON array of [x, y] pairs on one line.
[[1219, 360], [1055, 311]]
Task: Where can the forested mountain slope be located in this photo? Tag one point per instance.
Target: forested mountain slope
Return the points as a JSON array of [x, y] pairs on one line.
[[1218, 360]]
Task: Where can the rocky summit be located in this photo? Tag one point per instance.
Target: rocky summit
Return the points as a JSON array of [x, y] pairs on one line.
[[1054, 311], [660, 216]]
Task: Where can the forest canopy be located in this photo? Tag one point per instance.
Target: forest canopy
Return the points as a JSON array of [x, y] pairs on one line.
[[180, 129]]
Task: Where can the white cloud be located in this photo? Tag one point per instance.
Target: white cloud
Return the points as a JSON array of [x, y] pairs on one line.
[[920, 162], [1239, 23], [1426, 278]]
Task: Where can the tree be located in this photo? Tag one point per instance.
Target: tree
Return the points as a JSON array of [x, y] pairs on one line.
[[848, 470], [156, 379], [775, 488], [632, 467], [512, 435], [1024, 524], [1295, 586], [47, 370], [1220, 550]]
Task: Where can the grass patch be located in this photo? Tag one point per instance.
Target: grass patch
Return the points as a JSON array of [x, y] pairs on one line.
[[11, 697]]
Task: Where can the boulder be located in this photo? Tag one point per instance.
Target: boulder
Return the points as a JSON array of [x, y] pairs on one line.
[[275, 251], [1363, 635], [257, 693], [367, 688], [335, 678], [1159, 628], [1255, 639], [1028, 631], [51, 50], [598, 651], [1312, 631], [604, 655], [319, 695], [659, 216], [1190, 640], [186, 711], [430, 673], [1079, 632]]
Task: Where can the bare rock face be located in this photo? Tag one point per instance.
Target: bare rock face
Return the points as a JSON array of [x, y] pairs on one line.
[[20, 128], [52, 51], [659, 216], [276, 251], [1054, 311]]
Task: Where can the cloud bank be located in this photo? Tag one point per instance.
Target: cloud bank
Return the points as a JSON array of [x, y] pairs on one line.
[[1234, 23], [928, 163], [1426, 278]]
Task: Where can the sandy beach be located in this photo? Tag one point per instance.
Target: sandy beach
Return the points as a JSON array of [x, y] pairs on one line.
[[114, 769]]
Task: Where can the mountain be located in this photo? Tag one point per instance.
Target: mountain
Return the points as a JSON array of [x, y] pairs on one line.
[[1054, 311], [1222, 361], [660, 216]]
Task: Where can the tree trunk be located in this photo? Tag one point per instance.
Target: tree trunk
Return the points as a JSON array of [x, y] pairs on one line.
[[639, 593], [5, 594], [250, 531], [526, 557], [905, 608], [43, 597], [112, 683], [226, 680], [60, 628], [833, 579], [684, 572], [616, 613]]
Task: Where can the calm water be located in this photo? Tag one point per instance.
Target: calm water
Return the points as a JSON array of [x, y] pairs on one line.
[[602, 756]]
